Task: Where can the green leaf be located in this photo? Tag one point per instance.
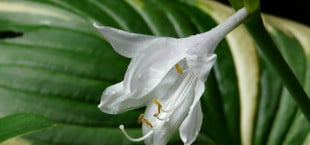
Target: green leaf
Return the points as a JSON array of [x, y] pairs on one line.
[[251, 5], [67, 134], [237, 4], [18, 124], [290, 48], [298, 131], [276, 60], [154, 17], [270, 94]]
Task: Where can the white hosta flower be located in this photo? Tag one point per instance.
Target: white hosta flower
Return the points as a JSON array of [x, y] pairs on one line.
[[167, 75]]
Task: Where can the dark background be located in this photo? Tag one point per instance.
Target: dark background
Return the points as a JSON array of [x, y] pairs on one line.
[[297, 10]]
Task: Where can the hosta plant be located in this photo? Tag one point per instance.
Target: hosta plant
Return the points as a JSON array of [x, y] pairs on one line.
[[55, 65]]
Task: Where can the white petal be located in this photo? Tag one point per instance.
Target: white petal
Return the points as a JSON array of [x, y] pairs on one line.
[[178, 106], [201, 64], [148, 69], [125, 43], [115, 99], [167, 86], [190, 127], [205, 43], [199, 90]]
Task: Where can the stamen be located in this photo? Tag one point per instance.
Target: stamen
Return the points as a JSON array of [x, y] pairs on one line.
[[179, 69], [159, 107], [142, 119], [122, 128]]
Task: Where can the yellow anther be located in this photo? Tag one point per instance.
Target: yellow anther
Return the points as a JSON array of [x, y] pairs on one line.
[[179, 68], [155, 101], [141, 119]]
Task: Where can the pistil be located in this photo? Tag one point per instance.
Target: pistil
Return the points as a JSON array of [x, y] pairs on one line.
[[122, 128]]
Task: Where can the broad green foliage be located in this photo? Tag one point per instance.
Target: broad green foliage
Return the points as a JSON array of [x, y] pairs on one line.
[[54, 63], [21, 123]]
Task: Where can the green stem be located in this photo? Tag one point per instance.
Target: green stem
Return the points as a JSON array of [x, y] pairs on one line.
[[272, 54]]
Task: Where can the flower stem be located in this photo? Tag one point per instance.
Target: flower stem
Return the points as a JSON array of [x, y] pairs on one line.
[[272, 54]]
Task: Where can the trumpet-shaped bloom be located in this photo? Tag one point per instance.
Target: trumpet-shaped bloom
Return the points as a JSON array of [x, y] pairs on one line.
[[167, 75]]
